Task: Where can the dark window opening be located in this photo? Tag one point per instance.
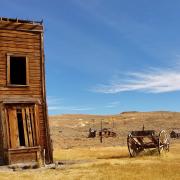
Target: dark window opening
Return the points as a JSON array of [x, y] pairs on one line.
[[20, 128], [18, 70]]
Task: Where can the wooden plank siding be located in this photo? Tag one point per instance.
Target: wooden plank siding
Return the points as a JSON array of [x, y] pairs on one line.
[[26, 40]]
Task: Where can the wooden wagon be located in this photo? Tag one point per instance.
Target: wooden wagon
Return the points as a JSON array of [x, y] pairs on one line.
[[138, 141], [106, 132]]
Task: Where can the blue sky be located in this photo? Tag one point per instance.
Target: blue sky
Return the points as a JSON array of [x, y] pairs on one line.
[[105, 57]]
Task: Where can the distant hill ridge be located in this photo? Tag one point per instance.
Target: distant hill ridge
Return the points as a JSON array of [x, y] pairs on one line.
[[121, 113]]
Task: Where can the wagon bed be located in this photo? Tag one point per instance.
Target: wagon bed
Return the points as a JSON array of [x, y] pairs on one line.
[[138, 141]]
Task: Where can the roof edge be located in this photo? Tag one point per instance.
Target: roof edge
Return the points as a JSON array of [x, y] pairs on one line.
[[21, 21]]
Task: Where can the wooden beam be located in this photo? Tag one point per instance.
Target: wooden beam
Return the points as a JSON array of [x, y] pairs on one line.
[[29, 130], [13, 127], [37, 124], [25, 127], [31, 111]]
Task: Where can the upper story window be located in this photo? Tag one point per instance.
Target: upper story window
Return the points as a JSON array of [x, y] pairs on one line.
[[17, 70]]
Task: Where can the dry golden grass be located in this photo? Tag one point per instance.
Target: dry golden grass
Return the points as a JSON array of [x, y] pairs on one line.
[[86, 158], [106, 163], [91, 153]]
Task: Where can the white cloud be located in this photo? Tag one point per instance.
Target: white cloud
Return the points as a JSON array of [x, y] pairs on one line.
[[70, 108], [54, 100], [112, 104], [56, 104], [153, 81]]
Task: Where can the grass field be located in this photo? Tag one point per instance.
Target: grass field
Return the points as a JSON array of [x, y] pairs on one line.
[[105, 163], [86, 158]]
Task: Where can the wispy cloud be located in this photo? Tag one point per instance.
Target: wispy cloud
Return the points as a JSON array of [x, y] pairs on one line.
[[52, 100], [112, 104], [152, 81], [69, 108], [56, 104]]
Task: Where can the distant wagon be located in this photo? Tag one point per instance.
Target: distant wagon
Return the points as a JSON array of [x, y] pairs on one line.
[[106, 132], [92, 133], [175, 133]]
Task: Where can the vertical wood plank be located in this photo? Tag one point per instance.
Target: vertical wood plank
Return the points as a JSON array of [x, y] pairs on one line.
[[27, 71], [7, 127], [37, 124], [13, 126], [33, 126], [8, 70], [39, 158], [25, 127], [29, 131], [1, 133]]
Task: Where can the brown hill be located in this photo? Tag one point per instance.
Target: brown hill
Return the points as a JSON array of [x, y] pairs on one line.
[[72, 130]]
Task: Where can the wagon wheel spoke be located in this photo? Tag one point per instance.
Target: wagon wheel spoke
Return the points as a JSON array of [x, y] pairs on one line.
[[167, 144], [132, 146], [163, 142]]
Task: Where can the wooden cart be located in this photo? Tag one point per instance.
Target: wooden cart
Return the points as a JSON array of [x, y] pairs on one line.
[[138, 141]]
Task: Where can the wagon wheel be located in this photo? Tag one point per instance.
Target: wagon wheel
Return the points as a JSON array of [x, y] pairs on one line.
[[163, 142], [132, 146]]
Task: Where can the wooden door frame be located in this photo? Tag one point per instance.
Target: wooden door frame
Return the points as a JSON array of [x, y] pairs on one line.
[[36, 122]]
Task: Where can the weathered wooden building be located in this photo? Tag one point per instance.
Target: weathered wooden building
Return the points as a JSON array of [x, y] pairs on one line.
[[24, 128]]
